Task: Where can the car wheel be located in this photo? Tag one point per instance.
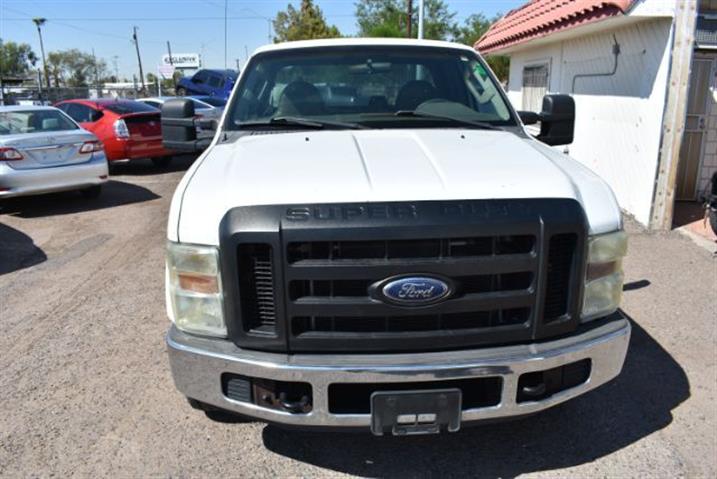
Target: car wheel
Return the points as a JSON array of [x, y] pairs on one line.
[[181, 91], [92, 192], [162, 161]]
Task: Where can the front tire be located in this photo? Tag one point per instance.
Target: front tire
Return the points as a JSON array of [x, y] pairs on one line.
[[162, 161], [181, 91], [92, 192]]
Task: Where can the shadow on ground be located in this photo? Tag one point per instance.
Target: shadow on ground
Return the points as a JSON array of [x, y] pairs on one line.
[[636, 404], [114, 193], [17, 250], [145, 167]]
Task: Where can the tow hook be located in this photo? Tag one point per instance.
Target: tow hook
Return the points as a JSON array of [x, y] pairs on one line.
[[301, 406]]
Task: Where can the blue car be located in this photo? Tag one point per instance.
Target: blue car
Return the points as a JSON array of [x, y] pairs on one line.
[[214, 83]]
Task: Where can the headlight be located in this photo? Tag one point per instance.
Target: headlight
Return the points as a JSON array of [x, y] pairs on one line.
[[604, 277], [194, 289]]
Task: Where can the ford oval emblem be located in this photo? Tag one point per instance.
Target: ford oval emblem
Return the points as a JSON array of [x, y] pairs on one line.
[[415, 290]]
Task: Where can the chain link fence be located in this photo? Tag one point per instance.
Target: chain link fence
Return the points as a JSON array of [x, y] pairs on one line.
[[32, 94]]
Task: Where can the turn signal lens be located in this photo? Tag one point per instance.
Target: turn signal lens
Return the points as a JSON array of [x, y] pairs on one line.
[[10, 154], [91, 147], [598, 270], [199, 283]]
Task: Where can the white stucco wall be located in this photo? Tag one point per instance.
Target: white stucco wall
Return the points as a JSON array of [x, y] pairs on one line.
[[618, 118]]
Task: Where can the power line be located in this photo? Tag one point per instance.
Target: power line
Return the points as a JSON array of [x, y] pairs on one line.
[[159, 19]]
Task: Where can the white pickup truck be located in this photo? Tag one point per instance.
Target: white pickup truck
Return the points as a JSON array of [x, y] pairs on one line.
[[372, 240]]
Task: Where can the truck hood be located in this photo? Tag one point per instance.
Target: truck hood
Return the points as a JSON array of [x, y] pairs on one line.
[[379, 165]]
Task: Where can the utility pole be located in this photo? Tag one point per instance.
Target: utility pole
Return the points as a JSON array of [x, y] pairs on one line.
[[238, 70], [97, 74], [139, 59], [409, 16], [39, 21], [171, 62], [169, 52], [114, 63], [225, 33], [420, 18]]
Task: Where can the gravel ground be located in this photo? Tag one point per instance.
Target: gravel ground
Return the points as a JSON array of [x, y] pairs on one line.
[[85, 387]]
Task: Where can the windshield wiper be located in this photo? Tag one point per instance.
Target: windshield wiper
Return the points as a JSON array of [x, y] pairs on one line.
[[420, 114], [300, 122]]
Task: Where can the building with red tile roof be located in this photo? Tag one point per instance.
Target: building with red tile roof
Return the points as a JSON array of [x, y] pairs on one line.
[[539, 18], [641, 73]]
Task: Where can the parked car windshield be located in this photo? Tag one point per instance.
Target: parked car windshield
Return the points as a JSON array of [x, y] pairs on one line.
[[125, 107], [374, 87], [34, 121]]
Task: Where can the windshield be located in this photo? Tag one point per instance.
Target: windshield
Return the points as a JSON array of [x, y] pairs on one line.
[[125, 107], [34, 121], [374, 87]]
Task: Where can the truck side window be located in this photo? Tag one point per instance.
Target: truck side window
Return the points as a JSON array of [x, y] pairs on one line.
[[200, 77], [215, 81]]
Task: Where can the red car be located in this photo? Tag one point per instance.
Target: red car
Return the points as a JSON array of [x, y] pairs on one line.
[[128, 129]]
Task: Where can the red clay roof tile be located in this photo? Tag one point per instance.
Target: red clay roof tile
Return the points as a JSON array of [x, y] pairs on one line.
[[539, 18]]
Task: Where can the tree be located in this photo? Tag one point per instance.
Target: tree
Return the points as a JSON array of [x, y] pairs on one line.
[[381, 18], [16, 59], [304, 24], [75, 68], [473, 28], [388, 18]]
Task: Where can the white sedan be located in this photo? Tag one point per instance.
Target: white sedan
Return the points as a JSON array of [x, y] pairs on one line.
[[43, 150]]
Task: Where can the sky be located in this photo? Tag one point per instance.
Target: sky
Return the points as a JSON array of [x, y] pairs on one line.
[[192, 26]]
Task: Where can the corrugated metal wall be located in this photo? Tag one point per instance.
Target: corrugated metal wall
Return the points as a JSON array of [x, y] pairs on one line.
[[619, 118]]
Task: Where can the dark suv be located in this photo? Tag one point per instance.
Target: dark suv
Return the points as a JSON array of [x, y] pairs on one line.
[[217, 83]]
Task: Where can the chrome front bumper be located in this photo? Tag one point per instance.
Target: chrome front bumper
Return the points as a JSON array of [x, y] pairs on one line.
[[198, 363]]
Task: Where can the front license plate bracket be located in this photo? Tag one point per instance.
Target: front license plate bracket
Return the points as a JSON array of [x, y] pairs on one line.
[[405, 413]]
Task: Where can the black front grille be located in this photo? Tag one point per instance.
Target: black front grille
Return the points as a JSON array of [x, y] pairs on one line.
[[305, 284], [329, 306], [410, 249], [561, 261], [256, 282], [482, 283], [400, 324]]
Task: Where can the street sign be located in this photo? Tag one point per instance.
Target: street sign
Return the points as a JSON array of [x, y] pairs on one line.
[[183, 60], [166, 71]]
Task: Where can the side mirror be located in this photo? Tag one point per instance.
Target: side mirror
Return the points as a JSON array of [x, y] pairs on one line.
[[529, 117], [179, 126], [557, 120]]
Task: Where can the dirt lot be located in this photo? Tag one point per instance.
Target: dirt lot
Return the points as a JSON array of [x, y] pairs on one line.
[[85, 387]]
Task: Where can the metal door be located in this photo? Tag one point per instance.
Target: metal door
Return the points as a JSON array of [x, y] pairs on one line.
[[693, 140]]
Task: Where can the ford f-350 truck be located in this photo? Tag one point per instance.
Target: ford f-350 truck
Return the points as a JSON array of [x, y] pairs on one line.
[[401, 257]]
